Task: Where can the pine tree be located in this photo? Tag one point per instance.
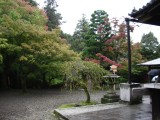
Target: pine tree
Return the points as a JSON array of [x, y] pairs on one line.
[[33, 3], [53, 16], [78, 41], [150, 46], [99, 32]]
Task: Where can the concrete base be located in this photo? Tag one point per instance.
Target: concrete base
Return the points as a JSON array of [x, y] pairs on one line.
[[110, 98], [68, 113], [110, 111], [126, 94]]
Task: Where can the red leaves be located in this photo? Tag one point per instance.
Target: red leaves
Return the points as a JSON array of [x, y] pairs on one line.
[[107, 60], [121, 35], [26, 5], [109, 41], [92, 60]]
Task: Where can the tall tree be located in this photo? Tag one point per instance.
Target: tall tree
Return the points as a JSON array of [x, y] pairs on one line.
[[33, 3], [47, 55], [110, 47], [99, 32], [116, 46], [150, 46], [28, 51], [53, 16], [78, 41], [17, 18]]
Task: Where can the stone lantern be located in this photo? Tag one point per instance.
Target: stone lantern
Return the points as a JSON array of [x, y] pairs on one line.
[[113, 68], [111, 95]]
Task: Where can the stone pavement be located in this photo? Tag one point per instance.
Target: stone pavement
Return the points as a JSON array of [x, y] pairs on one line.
[[113, 111]]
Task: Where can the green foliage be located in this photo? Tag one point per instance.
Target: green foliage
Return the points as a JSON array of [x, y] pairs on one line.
[[33, 3], [138, 73], [53, 17], [48, 55], [78, 73], [98, 33], [78, 40], [30, 52], [3, 46], [82, 74], [56, 81], [99, 24], [19, 9], [150, 46]]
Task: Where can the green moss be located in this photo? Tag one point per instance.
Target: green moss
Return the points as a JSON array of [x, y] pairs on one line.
[[83, 103], [67, 105]]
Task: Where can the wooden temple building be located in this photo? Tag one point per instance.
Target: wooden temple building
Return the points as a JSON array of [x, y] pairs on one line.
[[148, 14]]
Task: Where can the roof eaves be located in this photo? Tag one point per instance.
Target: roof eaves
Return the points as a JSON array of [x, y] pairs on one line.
[[144, 9]]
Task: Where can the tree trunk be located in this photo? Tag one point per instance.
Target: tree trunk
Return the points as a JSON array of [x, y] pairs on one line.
[[5, 78], [4, 81], [44, 82], [23, 80], [88, 100], [6, 71], [23, 83], [89, 83]]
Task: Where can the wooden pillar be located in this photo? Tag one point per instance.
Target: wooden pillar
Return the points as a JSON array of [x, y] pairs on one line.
[[155, 96], [129, 50]]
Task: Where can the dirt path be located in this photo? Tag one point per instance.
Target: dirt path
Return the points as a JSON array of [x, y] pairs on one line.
[[38, 104]]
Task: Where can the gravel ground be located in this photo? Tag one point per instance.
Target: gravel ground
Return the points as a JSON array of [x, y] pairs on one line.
[[38, 104]]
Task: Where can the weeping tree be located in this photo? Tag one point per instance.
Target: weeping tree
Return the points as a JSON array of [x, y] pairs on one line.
[[83, 74]]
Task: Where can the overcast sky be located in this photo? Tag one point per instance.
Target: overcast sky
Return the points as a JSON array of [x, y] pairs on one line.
[[72, 10]]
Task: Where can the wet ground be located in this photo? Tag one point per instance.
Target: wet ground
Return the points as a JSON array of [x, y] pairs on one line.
[[129, 112], [110, 111], [38, 104]]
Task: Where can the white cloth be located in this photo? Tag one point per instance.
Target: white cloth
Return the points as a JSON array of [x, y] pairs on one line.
[[154, 79]]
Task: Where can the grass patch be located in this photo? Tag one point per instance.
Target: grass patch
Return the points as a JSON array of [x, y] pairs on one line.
[[83, 103], [70, 105], [67, 105]]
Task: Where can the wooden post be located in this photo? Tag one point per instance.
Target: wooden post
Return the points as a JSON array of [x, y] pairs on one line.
[[129, 50]]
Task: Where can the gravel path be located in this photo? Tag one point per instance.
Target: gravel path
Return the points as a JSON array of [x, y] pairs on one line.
[[38, 104]]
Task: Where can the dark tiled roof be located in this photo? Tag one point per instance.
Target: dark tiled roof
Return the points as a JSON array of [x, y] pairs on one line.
[[145, 8], [148, 14]]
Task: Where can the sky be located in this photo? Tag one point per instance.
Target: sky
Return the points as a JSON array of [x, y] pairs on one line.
[[72, 10]]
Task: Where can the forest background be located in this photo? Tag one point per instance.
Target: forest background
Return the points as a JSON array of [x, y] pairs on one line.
[[36, 53]]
